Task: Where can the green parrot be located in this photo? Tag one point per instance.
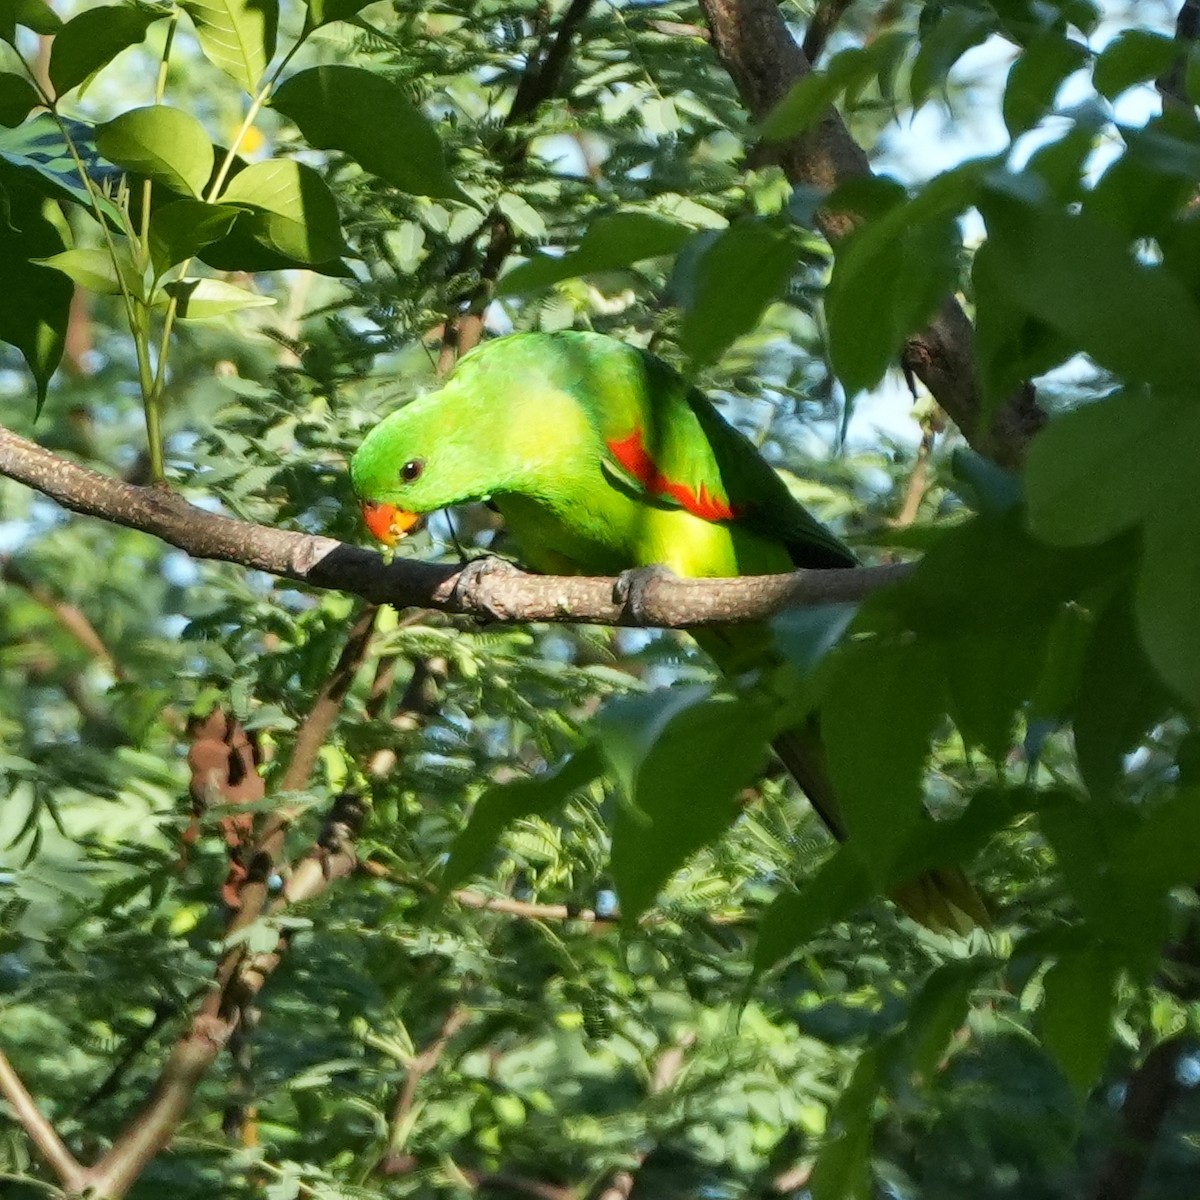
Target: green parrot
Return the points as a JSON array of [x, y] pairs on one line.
[[602, 459]]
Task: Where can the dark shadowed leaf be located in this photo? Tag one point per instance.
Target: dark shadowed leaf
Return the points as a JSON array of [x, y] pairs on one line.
[[681, 757], [735, 279], [504, 803], [35, 300], [843, 1167], [1077, 1015], [93, 38], [17, 99], [370, 119], [1035, 78], [1168, 586], [1120, 696], [938, 1011], [877, 719], [1081, 278], [179, 229], [1098, 470], [32, 14], [611, 243], [840, 886], [297, 210], [890, 276], [1133, 56]]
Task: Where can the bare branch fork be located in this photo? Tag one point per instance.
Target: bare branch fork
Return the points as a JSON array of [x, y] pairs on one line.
[[512, 597]]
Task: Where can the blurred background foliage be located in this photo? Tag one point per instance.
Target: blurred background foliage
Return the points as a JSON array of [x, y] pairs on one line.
[[512, 1038]]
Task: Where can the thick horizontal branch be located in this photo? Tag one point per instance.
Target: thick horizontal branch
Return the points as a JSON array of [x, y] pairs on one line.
[[511, 597]]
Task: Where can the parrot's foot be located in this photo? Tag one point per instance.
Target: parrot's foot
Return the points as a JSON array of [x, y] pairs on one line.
[[473, 584], [631, 592]]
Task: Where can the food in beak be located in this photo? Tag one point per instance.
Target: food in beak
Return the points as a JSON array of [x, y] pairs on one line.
[[387, 522]]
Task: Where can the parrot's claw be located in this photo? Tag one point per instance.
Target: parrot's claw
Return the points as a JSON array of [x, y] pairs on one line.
[[472, 585], [630, 591]]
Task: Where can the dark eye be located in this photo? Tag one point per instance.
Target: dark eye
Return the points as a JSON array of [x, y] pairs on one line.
[[412, 469]]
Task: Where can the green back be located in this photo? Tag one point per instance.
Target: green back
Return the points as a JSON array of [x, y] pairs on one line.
[[674, 449]]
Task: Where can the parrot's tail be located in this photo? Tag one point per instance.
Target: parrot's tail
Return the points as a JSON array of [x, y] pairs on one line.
[[942, 899]]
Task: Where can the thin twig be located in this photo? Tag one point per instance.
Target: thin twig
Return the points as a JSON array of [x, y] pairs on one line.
[[41, 1132]]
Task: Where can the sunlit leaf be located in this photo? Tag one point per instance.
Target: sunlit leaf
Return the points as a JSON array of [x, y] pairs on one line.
[[238, 36], [163, 143]]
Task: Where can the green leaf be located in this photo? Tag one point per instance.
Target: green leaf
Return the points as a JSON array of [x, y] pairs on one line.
[[504, 803], [742, 271], [91, 267], [1125, 912], [237, 36], [522, 216], [1080, 277], [1120, 697], [891, 275], [32, 14], [1035, 78], [840, 886], [1168, 584], [163, 143], [17, 99], [93, 38], [35, 301], [204, 299], [1077, 1015], [681, 766], [877, 720], [322, 12], [611, 243], [297, 213], [843, 1167], [1098, 470], [1163, 853], [369, 118], [182, 228], [959, 27], [38, 151], [1133, 56], [244, 248], [937, 1012], [847, 70]]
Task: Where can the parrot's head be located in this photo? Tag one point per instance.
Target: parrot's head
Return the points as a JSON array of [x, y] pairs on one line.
[[436, 451]]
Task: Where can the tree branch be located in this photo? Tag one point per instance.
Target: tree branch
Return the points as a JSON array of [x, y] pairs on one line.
[[756, 48], [1153, 1088], [41, 1132], [331, 858], [517, 597], [821, 25]]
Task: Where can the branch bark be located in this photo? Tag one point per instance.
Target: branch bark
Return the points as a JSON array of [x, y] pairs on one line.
[[1153, 1089], [755, 46], [506, 597]]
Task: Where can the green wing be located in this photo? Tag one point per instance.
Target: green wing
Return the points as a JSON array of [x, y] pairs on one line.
[[669, 442]]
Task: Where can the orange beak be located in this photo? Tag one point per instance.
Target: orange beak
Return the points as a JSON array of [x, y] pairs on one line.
[[386, 522]]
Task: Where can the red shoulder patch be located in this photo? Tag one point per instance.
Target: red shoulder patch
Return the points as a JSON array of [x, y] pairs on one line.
[[632, 454]]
